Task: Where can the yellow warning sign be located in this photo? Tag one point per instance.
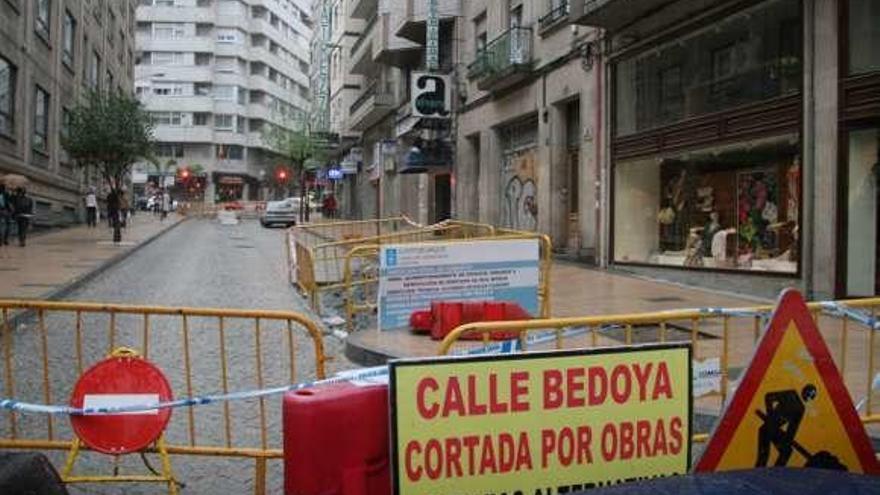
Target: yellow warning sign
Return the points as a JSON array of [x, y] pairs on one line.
[[791, 407]]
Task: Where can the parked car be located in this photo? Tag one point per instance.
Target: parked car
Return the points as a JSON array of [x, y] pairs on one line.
[[280, 212]]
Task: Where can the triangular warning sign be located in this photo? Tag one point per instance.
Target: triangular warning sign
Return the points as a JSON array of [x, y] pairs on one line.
[[791, 407]]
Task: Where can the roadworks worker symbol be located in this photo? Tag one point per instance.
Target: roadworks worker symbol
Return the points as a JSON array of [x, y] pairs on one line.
[[791, 408]]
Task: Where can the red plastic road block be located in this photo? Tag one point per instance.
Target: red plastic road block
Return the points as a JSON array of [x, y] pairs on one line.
[[421, 321], [336, 441], [447, 315]]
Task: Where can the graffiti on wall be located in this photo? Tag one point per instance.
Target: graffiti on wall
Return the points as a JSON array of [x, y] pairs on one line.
[[519, 208]]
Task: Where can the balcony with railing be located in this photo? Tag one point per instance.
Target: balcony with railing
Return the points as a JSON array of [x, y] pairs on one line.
[[413, 24], [389, 49], [557, 15], [375, 102], [362, 50], [505, 61], [364, 9]]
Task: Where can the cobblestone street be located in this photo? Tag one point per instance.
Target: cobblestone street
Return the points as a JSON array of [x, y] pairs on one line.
[[198, 264]]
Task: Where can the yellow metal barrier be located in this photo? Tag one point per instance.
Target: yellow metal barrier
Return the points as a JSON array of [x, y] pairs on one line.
[[321, 267], [362, 265], [731, 337], [200, 350]]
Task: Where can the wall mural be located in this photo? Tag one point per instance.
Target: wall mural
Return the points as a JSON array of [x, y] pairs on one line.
[[519, 208]]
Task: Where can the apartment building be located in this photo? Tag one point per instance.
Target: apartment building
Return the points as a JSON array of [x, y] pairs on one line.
[[394, 161], [529, 127], [743, 148], [216, 75], [51, 52]]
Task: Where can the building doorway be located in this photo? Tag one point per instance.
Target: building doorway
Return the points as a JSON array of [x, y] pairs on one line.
[[573, 151], [442, 197]]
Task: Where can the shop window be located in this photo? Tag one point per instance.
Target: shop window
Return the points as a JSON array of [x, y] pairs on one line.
[[864, 36], [751, 56], [728, 207], [863, 195]]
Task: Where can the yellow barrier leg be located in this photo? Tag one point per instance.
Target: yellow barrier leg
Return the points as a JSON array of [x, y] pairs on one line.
[[72, 454], [167, 473]]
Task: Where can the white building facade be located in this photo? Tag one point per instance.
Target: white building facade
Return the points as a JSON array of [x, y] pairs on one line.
[[216, 75]]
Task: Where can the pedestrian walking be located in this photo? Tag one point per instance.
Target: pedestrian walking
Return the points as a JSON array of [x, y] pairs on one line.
[[23, 211], [5, 215], [123, 208], [329, 206], [166, 204], [91, 208], [113, 208]]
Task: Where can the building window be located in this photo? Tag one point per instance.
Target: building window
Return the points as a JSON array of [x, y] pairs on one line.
[[228, 35], [201, 118], [240, 125], [168, 31], [167, 118], [864, 36], [7, 97], [168, 90], [169, 150], [748, 57], [64, 131], [224, 92], [726, 207], [94, 70], [166, 58], [224, 122], [69, 41], [42, 19], [230, 152], [41, 119]]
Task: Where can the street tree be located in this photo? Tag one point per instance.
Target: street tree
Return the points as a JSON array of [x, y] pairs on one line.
[[301, 147], [109, 131]]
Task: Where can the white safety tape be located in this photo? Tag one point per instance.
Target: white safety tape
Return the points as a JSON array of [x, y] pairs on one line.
[[379, 374]]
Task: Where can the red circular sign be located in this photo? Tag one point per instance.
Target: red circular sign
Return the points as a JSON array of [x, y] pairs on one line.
[[125, 380]]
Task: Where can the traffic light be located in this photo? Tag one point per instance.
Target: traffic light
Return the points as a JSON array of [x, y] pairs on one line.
[[184, 174], [281, 175]]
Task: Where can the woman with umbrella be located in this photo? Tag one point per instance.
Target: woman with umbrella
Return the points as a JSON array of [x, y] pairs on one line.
[[22, 205]]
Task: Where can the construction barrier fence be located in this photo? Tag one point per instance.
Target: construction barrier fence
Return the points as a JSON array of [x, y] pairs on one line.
[[361, 266], [46, 346], [728, 336], [318, 253]]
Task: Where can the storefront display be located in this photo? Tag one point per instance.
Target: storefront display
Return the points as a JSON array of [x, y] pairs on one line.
[[727, 207]]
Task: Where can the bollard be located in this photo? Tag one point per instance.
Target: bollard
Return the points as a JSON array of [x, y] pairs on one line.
[[336, 440]]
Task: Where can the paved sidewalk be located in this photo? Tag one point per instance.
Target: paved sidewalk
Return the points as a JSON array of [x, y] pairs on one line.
[[57, 261]]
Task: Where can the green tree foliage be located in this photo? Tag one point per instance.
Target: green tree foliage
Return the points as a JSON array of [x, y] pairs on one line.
[[109, 131]]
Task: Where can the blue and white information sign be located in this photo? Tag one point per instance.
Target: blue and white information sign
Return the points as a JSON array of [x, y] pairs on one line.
[[411, 276]]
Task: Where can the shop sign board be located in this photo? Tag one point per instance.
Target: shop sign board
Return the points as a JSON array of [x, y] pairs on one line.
[[540, 423], [432, 95], [411, 276], [791, 407]]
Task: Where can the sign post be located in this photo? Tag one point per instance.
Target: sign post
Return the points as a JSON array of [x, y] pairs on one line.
[[123, 379], [411, 276], [536, 423]]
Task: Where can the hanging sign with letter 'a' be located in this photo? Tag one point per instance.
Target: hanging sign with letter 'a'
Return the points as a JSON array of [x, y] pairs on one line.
[[554, 422], [791, 407]]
